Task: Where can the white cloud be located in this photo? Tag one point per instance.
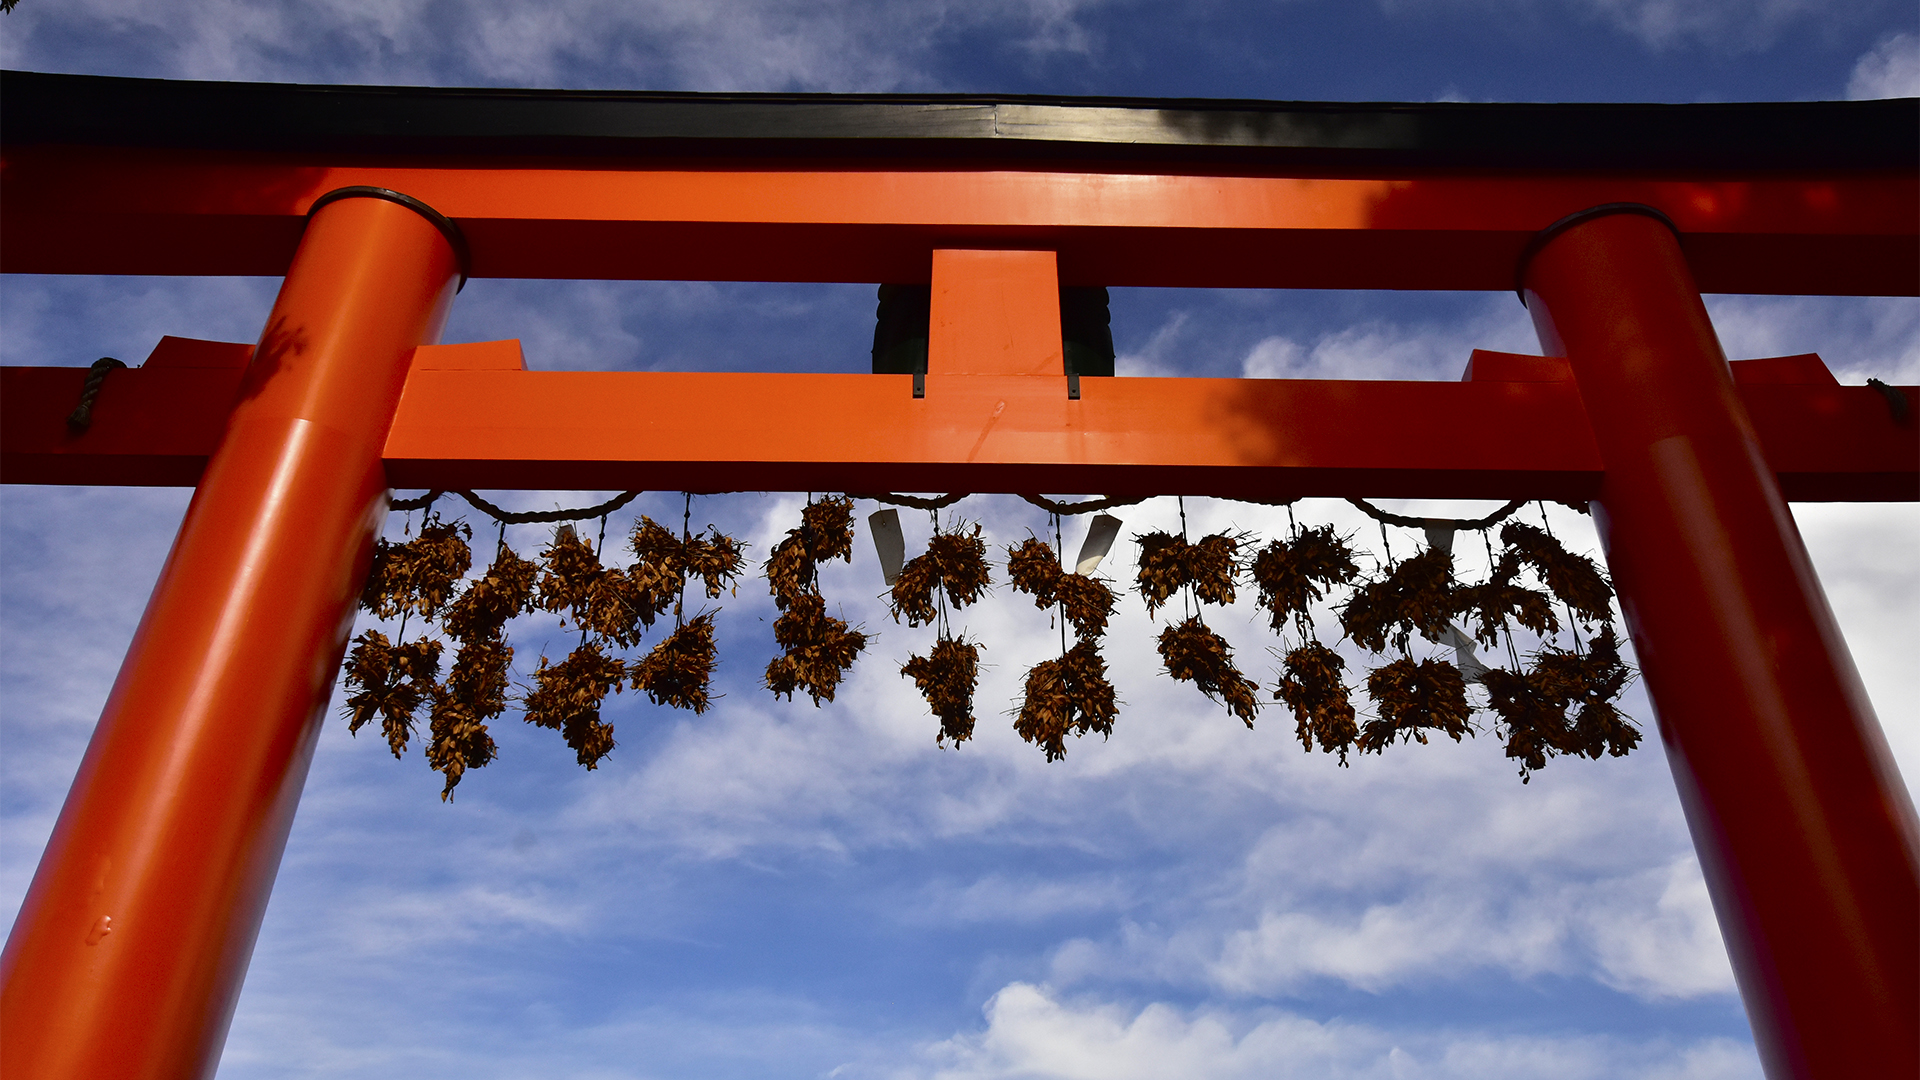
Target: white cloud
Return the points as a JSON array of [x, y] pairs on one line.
[[1032, 1033], [1731, 25], [1891, 69], [716, 45], [1857, 337], [1387, 350]]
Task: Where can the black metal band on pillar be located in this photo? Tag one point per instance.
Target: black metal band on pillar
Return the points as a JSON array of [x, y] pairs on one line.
[[1545, 236], [455, 238]]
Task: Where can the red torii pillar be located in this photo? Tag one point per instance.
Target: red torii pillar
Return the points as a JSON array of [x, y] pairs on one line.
[[130, 949], [1805, 833]]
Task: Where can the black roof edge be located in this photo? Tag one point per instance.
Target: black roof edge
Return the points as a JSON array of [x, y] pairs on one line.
[[42, 108]]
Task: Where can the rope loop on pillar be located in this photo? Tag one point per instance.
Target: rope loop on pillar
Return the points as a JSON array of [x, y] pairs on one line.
[[81, 418]]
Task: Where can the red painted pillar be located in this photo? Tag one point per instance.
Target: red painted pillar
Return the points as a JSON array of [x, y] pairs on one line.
[[1804, 829], [130, 949]]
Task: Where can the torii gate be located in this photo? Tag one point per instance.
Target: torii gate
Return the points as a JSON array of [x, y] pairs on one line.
[[129, 952]]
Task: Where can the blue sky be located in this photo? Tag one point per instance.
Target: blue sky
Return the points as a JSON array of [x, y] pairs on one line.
[[772, 890]]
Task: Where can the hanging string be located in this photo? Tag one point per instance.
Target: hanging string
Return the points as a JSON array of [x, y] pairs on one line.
[[686, 534], [1059, 604], [944, 628]]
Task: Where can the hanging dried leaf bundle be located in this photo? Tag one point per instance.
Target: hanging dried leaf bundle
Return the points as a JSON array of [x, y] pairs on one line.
[[653, 582], [1492, 605], [662, 558], [678, 670], [1416, 595], [567, 699], [1573, 578], [418, 575], [1213, 567], [478, 680], [1163, 567], [716, 560], [389, 681], [458, 741], [493, 599], [955, 563], [568, 570], [1067, 695], [1168, 564], [609, 604], [1314, 688], [1034, 570], [825, 532], [1193, 653], [1087, 602], [1415, 698], [1533, 706], [946, 678], [818, 650], [1294, 574]]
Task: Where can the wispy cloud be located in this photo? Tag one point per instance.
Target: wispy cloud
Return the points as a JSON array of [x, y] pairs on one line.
[[1891, 69], [1034, 1033], [720, 45]]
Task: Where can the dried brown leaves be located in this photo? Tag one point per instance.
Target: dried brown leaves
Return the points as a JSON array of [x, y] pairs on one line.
[[1533, 706], [679, 669], [1417, 595], [716, 560], [567, 699], [1293, 574], [478, 680], [389, 681], [1313, 687], [946, 678], [955, 563], [818, 650], [1415, 698], [605, 602], [1068, 695], [1034, 570], [1193, 653], [1168, 564], [665, 561], [493, 599], [1494, 603], [1573, 578], [1087, 602], [420, 574], [459, 741], [825, 532]]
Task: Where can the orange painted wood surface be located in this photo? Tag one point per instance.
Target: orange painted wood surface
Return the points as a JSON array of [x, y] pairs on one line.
[[121, 210], [994, 313], [470, 418]]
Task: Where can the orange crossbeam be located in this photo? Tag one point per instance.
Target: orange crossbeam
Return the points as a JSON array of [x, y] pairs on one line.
[[471, 418], [75, 209]]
